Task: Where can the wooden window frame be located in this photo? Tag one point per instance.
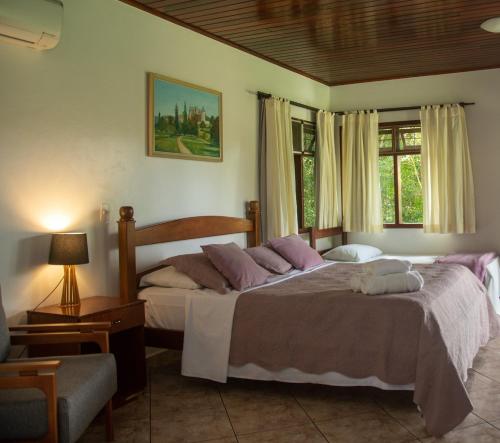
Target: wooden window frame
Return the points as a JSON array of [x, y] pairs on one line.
[[394, 152], [298, 157]]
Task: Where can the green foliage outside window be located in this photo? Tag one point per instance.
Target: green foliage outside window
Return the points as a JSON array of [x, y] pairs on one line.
[[410, 137], [385, 138], [412, 208], [408, 174], [309, 138], [304, 146], [386, 171], [309, 191]]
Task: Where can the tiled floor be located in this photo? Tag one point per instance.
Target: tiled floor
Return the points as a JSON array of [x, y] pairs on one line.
[[178, 409]]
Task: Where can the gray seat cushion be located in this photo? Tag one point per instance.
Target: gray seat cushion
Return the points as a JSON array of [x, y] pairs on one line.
[[4, 333], [84, 384]]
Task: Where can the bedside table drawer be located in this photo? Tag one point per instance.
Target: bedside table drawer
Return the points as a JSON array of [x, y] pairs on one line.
[[122, 319]]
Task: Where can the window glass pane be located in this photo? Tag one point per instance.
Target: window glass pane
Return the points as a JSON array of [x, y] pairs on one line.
[[411, 205], [410, 137], [386, 169], [309, 138], [309, 196], [385, 138], [297, 136]]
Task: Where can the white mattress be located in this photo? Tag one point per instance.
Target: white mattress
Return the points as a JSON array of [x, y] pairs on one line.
[[164, 307], [415, 259]]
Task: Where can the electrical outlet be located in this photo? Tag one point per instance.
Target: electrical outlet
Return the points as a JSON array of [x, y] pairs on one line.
[[104, 213]]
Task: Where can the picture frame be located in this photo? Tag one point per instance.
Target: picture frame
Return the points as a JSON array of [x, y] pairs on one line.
[[184, 120]]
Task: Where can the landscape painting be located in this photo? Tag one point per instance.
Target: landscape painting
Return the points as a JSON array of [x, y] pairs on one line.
[[185, 120]]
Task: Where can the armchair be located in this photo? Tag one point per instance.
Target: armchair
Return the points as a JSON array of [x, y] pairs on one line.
[[54, 400]]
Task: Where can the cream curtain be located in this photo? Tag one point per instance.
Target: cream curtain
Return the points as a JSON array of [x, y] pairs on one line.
[[277, 169], [446, 171], [327, 207], [361, 200]]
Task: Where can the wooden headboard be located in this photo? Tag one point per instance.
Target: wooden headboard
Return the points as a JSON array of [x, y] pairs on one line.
[[316, 233], [130, 237]]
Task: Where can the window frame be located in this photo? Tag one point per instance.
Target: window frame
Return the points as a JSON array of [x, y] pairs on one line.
[[394, 152], [298, 157]]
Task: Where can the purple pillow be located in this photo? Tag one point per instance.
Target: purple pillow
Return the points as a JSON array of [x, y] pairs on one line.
[[201, 270], [238, 267], [296, 251], [268, 259]]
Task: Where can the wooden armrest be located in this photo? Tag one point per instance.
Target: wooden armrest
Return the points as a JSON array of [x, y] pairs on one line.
[[47, 338], [30, 366], [28, 377], [64, 327]]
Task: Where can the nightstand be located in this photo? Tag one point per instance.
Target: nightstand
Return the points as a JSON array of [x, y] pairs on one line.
[[126, 337]]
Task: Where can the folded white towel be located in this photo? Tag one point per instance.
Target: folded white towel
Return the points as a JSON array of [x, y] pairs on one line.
[[356, 281], [386, 266], [387, 284]]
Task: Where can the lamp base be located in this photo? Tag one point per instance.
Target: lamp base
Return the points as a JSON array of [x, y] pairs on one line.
[[70, 294]]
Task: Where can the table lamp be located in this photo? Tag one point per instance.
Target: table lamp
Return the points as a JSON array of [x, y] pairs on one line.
[[69, 249]]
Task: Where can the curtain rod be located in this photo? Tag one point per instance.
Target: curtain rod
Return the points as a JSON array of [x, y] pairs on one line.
[[261, 94]]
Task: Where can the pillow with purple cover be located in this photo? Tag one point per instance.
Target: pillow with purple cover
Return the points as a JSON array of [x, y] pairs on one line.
[[237, 266], [269, 259], [201, 270], [296, 251]]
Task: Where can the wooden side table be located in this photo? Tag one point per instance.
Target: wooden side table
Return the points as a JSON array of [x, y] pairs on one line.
[[126, 338]]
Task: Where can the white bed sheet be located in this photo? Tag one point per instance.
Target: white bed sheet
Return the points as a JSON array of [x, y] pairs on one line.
[[493, 283], [165, 307], [291, 375], [415, 259]]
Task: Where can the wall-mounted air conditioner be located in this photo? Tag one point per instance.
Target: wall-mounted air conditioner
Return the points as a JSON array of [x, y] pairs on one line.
[[33, 23]]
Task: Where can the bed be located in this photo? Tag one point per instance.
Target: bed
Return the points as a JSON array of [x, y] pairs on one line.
[[166, 306], [130, 237], [309, 326]]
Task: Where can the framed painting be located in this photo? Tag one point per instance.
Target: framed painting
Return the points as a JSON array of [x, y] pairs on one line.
[[184, 120]]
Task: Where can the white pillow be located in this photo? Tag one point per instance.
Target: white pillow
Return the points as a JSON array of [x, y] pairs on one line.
[[352, 253], [169, 277]]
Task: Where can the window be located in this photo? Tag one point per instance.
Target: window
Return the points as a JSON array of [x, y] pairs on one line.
[[400, 174], [304, 148]]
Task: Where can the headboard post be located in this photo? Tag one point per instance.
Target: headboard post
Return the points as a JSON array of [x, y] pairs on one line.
[[126, 240], [312, 237], [317, 233], [344, 238], [253, 213]]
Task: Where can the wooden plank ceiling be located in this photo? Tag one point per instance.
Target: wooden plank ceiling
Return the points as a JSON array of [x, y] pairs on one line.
[[347, 41]]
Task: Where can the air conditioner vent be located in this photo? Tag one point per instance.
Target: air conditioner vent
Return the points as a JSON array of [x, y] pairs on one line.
[[33, 23]]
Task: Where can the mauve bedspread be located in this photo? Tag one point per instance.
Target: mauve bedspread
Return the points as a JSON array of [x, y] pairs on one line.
[[477, 263], [316, 324]]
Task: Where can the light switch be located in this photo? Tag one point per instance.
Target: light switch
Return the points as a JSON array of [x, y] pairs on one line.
[[104, 213]]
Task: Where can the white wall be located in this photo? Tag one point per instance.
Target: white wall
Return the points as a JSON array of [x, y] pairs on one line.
[[73, 135], [483, 120]]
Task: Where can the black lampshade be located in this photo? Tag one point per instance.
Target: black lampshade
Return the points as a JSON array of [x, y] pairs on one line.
[[69, 249]]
